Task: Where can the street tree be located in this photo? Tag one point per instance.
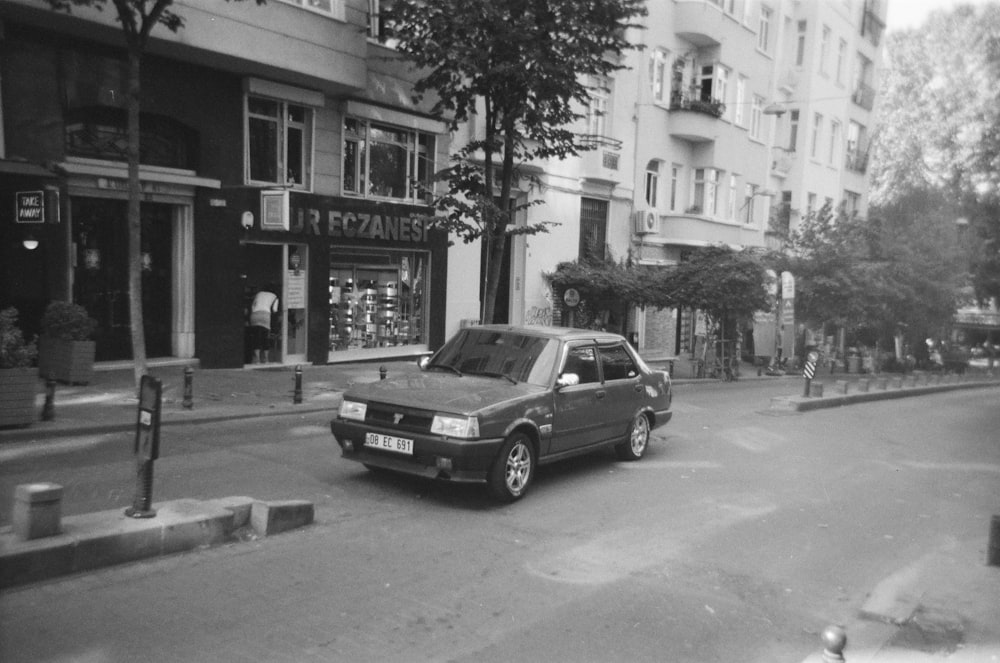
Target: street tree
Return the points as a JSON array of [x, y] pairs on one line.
[[522, 67], [939, 128], [137, 19]]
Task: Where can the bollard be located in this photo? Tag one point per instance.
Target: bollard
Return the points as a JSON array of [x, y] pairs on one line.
[[382, 372], [834, 642], [297, 396], [993, 547], [49, 409], [188, 401]]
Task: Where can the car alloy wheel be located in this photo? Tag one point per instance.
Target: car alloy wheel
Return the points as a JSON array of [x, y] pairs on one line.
[[638, 439], [513, 469]]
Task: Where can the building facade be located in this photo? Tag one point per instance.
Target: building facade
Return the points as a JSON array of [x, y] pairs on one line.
[[285, 166], [730, 121]]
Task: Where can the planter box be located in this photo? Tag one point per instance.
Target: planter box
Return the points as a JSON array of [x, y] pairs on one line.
[[71, 362], [18, 387]]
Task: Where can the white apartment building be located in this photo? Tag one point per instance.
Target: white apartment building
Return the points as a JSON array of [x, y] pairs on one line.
[[731, 120]]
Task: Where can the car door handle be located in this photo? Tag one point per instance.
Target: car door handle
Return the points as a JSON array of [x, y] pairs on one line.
[[600, 394], [637, 387]]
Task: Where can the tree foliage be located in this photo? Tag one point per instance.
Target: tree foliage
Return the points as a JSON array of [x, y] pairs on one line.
[[896, 272], [524, 66], [939, 130]]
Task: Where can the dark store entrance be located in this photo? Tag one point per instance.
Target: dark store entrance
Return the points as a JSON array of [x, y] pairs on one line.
[[100, 275]]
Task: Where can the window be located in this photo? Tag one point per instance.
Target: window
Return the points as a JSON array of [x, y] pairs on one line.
[[748, 192], [652, 182], [756, 115], [729, 6], [705, 195], [593, 229], [764, 29], [279, 143], [617, 363], [800, 45], [841, 57], [597, 109], [582, 360], [375, 26], [824, 47], [382, 161], [741, 100], [675, 181], [731, 198], [817, 128], [852, 203], [793, 130], [659, 75], [810, 204], [333, 8], [721, 88], [834, 141]]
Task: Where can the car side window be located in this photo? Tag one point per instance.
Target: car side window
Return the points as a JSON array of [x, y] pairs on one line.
[[582, 360], [617, 362]]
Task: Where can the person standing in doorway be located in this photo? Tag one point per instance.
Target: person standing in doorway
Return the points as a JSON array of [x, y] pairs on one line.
[[262, 313]]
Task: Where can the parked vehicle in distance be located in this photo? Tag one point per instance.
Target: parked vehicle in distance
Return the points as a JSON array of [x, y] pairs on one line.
[[497, 401]]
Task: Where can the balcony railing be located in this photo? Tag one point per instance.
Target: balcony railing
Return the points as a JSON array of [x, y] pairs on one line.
[[856, 160], [864, 96], [781, 160], [595, 141], [872, 27], [681, 101]]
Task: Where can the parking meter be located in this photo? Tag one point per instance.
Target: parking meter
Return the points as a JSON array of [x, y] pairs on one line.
[[147, 446]]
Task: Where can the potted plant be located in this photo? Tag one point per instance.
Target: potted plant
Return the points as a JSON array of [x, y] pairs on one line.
[[18, 376], [66, 346]]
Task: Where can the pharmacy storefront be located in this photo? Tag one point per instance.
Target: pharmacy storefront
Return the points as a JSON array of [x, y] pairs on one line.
[[355, 280]]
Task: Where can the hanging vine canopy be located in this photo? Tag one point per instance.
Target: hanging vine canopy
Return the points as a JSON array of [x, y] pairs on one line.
[[629, 284]]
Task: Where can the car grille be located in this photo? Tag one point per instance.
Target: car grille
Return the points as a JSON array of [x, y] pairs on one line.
[[400, 418]]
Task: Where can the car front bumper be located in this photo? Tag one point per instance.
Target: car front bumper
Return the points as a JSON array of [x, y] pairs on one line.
[[434, 456]]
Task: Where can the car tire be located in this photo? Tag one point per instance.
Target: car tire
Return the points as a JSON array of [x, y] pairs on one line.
[[513, 469], [636, 441]]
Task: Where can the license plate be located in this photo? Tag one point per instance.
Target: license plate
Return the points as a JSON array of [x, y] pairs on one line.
[[389, 443]]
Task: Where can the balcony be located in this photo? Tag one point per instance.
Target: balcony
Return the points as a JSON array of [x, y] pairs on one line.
[[856, 160], [600, 161], [782, 161], [872, 26], [693, 119], [864, 96]]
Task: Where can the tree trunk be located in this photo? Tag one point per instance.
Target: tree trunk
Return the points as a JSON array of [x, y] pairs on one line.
[[134, 217]]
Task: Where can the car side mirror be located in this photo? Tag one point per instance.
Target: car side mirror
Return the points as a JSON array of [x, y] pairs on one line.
[[567, 380], [423, 361]]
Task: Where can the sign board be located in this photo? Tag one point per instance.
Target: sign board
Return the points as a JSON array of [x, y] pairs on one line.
[[571, 297], [147, 427], [30, 207], [296, 289], [787, 285]]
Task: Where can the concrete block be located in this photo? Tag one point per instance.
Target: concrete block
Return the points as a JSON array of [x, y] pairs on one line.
[[863, 385], [239, 505], [275, 517], [106, 538], [189, 524], [881, 383], [840, 386], [897, 383], [37, 510], [816, 390]]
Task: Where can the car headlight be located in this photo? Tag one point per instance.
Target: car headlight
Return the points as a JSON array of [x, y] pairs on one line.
[[353, 410], [455, 426]]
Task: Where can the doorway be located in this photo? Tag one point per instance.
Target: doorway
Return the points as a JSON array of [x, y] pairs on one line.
[[281, 269]]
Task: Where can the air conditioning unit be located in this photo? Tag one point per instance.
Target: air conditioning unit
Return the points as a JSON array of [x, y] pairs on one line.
[[645, 222]]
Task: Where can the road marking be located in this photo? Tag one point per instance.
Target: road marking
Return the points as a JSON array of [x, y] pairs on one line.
[[954, 467], [18, 450]]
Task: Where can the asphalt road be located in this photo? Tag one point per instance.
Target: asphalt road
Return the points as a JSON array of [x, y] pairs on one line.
[[738, 538]]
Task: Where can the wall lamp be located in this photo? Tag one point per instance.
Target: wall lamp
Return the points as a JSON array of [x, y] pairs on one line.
[[774, 109], [29, 242]]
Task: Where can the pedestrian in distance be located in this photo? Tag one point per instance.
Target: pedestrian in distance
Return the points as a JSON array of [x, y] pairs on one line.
[[263, 310]]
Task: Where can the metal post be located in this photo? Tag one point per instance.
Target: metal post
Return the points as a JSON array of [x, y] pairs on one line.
[[382, 372], [188, 402], [49, 409], [146, 447], [297, 397], [143, 500], [834, 643], [805, 392]]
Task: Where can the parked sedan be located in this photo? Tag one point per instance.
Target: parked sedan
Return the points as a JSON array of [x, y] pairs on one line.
[[496, 401]]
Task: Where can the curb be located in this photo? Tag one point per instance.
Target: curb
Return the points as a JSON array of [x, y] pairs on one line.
[[105, 538], [808, 403]]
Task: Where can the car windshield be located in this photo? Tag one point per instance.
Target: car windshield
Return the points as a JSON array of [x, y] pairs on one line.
[[519, 357]]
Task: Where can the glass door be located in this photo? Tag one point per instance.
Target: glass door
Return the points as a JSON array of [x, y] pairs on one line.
[[296, 329]]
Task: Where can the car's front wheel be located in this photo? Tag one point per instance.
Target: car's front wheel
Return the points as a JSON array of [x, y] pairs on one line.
[[513, 469], [634, 445]]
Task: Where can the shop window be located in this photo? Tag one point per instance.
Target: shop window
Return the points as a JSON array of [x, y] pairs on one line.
[[381, 161], [378, 299], [279, 139]]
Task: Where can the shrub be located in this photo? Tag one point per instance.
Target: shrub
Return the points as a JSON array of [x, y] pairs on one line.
[[68, 321], [14, 352]]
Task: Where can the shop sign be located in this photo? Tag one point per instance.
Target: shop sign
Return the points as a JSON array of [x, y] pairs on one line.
[[30, 207], [360, 225]]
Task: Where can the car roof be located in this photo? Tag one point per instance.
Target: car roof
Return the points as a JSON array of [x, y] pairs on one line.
[[561, 333]]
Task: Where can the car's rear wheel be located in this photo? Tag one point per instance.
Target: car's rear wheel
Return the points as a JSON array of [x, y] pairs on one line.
[[635, 444], [513, 469]]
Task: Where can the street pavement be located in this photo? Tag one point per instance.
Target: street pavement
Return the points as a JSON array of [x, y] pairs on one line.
[[944, 583]]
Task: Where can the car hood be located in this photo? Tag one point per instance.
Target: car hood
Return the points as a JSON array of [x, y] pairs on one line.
[[442, 392]]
